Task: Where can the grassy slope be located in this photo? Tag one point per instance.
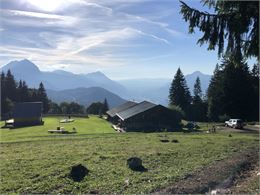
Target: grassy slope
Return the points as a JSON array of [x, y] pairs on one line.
[[42, 166], [92, 125]]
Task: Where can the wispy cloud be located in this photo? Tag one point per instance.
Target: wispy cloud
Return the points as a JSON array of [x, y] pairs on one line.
[[80, 35]]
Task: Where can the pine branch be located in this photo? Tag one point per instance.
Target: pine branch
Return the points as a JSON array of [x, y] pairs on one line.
[[185, 6]]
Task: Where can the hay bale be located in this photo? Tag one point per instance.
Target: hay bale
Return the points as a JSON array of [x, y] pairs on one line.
[[78, 172]]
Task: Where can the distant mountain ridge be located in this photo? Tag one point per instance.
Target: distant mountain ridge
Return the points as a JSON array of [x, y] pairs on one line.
[[155, 90], [59, 79], [204, 80], [85, 96]]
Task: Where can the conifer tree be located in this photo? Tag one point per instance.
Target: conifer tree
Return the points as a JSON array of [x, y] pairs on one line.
[[105, 106], [19, 91], [235, 24], [3, 86], [197, 91], [10, 86], [24, 92], [198, 108], [43, 97], [3, 94], [215, 95], [255, 96], [231, 91], [179, 94]]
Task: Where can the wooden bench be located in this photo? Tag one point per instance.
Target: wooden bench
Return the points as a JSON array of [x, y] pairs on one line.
[[58, 131], [66, 120]]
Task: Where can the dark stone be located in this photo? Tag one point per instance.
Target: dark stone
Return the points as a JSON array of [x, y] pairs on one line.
[[93, 192], [175, 141], [135, 164], [164, 140], [78, 172]]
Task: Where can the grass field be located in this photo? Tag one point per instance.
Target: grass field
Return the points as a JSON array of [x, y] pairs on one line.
[[91, 125], [33, 161]]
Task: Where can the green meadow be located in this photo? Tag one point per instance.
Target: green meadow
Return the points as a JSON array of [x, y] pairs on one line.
[[35, 161], [91, 125]]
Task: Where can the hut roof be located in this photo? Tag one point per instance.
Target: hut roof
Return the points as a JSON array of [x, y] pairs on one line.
[[121, 108], [139, 108], [27, 110]]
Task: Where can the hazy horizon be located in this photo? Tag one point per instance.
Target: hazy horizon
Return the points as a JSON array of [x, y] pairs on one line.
[[116, 79]]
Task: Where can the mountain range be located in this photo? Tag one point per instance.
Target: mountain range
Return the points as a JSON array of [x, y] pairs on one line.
[[157, 90], [92, 87], [59, 79], [85, 96]]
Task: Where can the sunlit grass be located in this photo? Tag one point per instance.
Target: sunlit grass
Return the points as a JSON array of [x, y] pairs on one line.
[[33, 161]]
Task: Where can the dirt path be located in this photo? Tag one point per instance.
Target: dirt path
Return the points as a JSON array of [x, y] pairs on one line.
[[247, 129], [247, 182], [219, 177]]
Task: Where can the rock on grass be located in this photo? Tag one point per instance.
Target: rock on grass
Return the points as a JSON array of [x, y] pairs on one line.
[[135, 164]]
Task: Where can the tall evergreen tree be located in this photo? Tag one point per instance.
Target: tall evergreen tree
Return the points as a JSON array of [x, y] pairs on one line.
[[3, 86], [179, 94], [197, 91], [6, 103], [24, 92], [33, 95], [19, 91], [235, 24], [215, 95], [10, 86], [231, 91], [3, 94], [255, 96], [198, 108], [105, 106], [43, 97], [237, 89], [12, 93]]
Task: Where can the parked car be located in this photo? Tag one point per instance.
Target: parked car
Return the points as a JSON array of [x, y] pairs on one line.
[[192, 125], [234, 123]]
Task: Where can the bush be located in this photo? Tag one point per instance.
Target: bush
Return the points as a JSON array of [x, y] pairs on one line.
[[223, 118]]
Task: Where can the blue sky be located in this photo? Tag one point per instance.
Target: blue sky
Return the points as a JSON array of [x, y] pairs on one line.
[[122, 38]]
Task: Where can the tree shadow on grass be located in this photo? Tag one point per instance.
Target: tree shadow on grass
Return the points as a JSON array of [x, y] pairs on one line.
[[139, 169]]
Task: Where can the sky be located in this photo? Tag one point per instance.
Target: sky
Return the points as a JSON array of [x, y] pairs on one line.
[[124, 39]]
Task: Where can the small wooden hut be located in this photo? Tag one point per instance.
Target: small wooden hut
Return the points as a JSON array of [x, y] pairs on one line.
[[27, 114]]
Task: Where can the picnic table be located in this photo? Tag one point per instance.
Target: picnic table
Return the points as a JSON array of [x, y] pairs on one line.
[[58, 130], [67, 120]]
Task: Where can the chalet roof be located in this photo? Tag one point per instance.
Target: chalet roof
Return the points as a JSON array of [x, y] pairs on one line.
[[27, 109], [139, 108], [120, 108]]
